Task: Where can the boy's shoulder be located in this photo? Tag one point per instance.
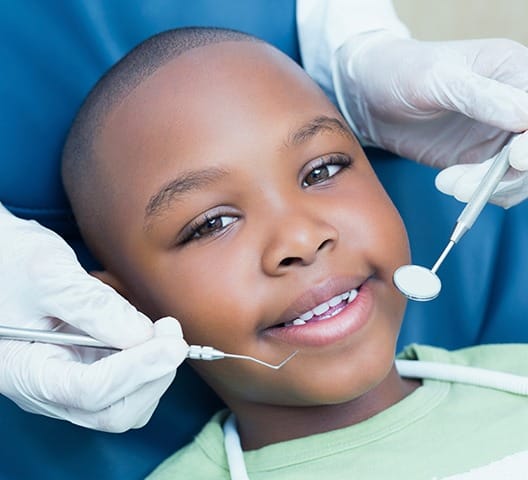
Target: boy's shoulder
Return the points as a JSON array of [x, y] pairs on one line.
[[203, 458], [506, 357]]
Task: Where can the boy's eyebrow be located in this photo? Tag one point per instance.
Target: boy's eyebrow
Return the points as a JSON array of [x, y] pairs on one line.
[[317, 125], [197, 179], [187, 181]]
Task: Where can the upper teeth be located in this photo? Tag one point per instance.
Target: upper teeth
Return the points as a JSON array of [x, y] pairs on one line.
[[323, 307]]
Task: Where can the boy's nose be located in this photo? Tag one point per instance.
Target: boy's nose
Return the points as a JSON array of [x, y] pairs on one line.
[[296, 241]]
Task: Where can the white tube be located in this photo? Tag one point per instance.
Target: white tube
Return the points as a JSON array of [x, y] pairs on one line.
[[235, 457], [481, 377]]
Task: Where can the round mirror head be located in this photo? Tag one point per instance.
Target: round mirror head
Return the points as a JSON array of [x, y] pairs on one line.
[[417, 283]]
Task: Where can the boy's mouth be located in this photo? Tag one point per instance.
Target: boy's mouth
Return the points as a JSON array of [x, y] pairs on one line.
[[324, 310], [328, 321]]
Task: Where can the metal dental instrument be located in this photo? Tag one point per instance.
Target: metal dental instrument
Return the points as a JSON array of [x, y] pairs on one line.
[[198, 352], [195, 352], [421, 284]]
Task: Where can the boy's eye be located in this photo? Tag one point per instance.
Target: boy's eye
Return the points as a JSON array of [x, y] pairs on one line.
[[211, 225], [207, 226], [320, 174], [325, 168]]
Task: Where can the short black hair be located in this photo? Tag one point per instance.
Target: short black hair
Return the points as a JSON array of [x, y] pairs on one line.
[[79, 159]]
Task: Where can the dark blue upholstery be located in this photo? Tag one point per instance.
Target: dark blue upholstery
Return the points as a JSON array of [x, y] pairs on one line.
[[51, 53]]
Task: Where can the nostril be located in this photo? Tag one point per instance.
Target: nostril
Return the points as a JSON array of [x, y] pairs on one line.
[[324, 244], [304, 260], [286, 262]]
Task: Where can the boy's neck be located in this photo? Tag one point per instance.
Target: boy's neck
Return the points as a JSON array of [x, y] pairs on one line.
[[261, 424]]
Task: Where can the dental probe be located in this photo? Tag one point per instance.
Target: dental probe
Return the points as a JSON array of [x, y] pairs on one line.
[[198, 352], [421, 284], [195, 352]]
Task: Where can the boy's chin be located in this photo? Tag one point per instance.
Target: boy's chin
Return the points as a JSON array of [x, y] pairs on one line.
[[329, 392], [331, 396]]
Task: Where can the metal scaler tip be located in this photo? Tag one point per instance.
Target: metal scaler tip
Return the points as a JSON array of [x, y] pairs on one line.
[[199, 352]]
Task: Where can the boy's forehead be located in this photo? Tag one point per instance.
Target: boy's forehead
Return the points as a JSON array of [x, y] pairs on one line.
[[232, 69], [207, 87]]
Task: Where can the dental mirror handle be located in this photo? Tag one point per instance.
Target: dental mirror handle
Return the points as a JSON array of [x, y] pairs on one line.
[[482, 194]]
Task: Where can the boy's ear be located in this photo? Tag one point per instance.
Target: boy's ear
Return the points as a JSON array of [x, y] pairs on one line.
[[111, 280]]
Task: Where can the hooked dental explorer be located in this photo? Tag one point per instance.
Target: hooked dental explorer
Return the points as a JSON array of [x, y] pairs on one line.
[[421, 284], [195, 352]]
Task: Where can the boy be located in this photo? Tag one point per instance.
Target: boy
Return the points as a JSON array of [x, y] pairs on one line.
[[220, 186]]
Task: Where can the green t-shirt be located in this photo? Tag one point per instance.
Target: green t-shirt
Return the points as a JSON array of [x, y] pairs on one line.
[[440, 430]]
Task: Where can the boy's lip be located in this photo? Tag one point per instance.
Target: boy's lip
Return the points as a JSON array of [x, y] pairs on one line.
[[347, 319], [317, 295]]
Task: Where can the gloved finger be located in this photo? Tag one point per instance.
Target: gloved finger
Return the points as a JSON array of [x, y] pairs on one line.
[[133, 411], [461, 181], [468, 183], [519, 152], [484, 99], [96, 386], [77, 298], [447, 180]]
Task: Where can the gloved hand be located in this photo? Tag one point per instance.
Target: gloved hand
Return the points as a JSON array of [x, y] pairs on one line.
[[441, 103], [43, 286], [461, 181]]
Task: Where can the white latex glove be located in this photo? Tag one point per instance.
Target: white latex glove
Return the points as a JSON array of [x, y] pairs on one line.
[[42, 282], [460, 181], [441, 103]]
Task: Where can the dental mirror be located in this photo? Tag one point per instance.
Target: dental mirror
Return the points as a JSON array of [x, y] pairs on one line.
[[421, 284], [417, 283]]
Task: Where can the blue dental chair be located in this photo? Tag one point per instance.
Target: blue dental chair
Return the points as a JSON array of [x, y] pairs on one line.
[[51, 54]]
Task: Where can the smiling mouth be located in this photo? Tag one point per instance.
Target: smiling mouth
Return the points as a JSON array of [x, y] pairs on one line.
[[324, 310]]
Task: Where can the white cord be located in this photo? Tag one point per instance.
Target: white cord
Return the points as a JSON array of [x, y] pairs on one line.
[[235, 456], [482, 377]]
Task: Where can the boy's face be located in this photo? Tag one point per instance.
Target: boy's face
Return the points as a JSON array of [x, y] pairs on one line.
[[240, 203]]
